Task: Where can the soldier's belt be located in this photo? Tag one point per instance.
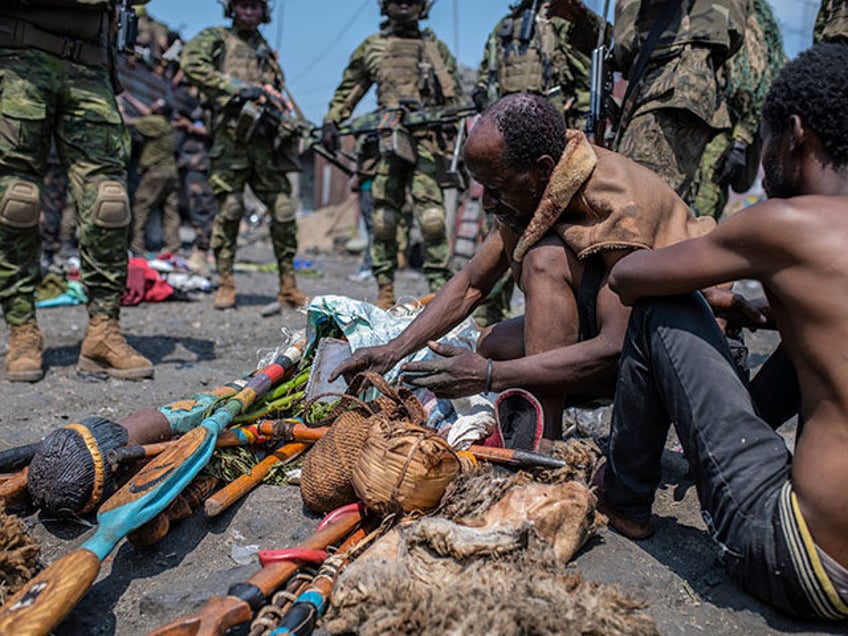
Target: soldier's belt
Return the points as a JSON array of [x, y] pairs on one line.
[[18, 34]]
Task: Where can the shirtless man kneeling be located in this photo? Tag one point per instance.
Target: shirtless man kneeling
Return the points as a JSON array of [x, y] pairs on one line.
[[781, 522]]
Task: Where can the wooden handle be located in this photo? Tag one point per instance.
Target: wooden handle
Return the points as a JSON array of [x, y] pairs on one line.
[[14, 489], [221, 613], [40, 606], [232, 492], [217, 616]]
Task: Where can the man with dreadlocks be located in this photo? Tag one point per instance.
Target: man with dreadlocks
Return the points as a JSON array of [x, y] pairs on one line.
[[781, 521], [832, 22], [565, 213], [732, 158]]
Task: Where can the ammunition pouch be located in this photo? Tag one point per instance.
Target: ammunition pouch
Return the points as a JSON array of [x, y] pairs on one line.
[[398, 144], [446, 178]]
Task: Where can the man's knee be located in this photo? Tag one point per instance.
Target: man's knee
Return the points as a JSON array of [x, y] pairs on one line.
[[433, 225], [232, 206], [282, 208], [385, 224], [19, 205], [111, 208]]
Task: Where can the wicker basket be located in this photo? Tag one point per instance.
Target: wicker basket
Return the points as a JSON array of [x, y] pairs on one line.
[[403, 467], [325, 482]]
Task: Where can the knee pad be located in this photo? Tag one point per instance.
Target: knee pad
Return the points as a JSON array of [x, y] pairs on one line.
[[433, 224], [232, 207], [111, 207], [385, 224], [20, 205], [283, 208]]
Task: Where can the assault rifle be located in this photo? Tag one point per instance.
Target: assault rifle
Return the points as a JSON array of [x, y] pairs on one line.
[[602, 106], [277, 114]]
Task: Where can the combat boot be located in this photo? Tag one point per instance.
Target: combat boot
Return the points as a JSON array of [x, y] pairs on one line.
[[386, 295], [23, 361], [197, 262], [226, 296], [104, 350], [289, 294]]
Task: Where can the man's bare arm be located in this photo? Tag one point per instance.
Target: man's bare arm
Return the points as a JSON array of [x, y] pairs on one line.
[[746, 246], [450, 306]]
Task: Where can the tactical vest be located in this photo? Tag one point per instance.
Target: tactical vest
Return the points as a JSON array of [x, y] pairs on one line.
[[244, 62], [530, 70], [412, 68], [832, 21]]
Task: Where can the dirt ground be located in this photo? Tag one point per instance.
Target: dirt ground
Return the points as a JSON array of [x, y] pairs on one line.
[[195, 347]]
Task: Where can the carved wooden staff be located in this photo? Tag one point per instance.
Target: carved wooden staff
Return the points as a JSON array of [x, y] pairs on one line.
[[223, 612], [48, 598]]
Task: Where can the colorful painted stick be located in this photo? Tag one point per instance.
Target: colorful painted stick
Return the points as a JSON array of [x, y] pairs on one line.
[[221, 613], [49, 597], [238, 488]]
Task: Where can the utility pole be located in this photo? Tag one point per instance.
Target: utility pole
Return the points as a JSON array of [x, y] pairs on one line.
[[456, 29], [278, 40]]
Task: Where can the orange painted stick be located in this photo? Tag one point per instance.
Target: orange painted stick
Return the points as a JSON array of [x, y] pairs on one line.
[[223, 612], [14, 489], [236, 489]]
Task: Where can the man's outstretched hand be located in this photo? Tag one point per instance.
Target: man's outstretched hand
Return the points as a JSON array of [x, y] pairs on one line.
[[458, 373], [377, 359]]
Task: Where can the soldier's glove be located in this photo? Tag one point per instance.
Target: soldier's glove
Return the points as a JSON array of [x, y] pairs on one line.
[[330, 137], [250, 93], [734, 163], [480, 97]]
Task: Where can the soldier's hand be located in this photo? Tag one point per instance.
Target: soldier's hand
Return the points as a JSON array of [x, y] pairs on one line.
[[330, 136], [250, 93], [734, 163], [480, 97]]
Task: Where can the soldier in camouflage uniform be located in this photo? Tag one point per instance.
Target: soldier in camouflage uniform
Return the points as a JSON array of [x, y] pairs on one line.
[[671, 114], [554, 63], [231, 66], [832, 22], [404, 62], [732, 158], [159, 184], [55, 63]]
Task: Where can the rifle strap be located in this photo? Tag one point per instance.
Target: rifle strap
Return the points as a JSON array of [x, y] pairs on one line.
[[431, 50], [637, 71]]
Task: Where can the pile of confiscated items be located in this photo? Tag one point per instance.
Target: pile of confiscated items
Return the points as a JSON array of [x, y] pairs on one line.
[[420, 535]]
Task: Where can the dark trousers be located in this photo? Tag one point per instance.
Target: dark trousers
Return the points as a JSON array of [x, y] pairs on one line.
[[676, 368]]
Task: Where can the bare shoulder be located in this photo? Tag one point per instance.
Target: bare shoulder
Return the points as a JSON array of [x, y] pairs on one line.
[[778, 221]]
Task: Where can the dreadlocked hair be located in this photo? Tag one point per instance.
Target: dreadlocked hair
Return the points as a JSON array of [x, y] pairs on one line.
[[814, 86], [531, 127]]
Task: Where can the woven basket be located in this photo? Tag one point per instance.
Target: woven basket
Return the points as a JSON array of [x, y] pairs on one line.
[[403, 467], [325, 482]]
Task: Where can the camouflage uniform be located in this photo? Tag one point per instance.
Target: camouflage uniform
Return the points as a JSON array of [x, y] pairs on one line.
[[749, 75], [193, 164], [556, 64], [221, 61], [832, 21], [56, 84], [673, 112], [159, 184], [404, 64]]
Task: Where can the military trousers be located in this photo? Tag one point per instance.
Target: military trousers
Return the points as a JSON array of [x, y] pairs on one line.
[[43, 96], [669, 141], [235, 165], [202, 206], [158, 189], [394, 178], [710, 194]]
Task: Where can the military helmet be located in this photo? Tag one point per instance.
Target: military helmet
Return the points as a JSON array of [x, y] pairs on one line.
[[426, 5], [266, 12]]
